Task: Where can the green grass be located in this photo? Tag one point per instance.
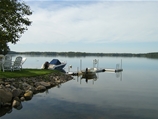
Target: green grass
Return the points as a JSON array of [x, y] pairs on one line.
[[25, 73]]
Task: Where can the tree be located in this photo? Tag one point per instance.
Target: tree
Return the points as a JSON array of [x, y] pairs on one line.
[[13, 22]]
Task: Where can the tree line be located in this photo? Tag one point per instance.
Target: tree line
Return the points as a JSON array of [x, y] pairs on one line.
[[84, 54]]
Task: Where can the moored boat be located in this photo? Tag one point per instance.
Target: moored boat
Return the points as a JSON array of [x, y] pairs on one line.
[[89, 70], [54, 64]]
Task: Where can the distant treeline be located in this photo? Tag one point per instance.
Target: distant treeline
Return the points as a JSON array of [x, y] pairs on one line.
[[84, 54]]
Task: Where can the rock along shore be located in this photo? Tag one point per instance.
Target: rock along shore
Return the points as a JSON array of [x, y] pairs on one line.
[[15, 90]]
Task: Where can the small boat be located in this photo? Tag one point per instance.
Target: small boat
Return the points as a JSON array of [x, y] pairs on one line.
[[89, 70], [56, 64]]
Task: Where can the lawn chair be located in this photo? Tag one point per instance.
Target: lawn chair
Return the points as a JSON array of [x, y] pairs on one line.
[[7, 63], [1, 61], [23, 60], [17, 63]]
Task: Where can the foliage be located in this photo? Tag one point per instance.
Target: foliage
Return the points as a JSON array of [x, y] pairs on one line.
[[13, 22], [152, 55], [4, 48]]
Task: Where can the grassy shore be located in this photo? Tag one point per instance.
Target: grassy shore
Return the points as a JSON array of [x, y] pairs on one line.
[[26, 73]]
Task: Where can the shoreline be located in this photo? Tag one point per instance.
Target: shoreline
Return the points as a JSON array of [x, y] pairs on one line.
[[13, 91]]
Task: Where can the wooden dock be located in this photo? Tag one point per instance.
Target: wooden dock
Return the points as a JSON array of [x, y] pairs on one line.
[[96, 71]]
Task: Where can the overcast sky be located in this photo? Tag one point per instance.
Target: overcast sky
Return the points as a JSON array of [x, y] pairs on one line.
[[109, 26]]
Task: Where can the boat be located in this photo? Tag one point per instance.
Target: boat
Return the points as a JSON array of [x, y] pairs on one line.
[[56, 64], [89, 70]]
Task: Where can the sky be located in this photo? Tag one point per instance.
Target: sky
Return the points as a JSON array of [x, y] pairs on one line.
[[94, 26]]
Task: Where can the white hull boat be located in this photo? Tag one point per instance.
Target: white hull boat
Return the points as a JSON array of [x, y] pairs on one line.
[[55, 64]]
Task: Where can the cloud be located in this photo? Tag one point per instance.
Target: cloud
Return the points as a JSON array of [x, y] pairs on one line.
[[100, 22]]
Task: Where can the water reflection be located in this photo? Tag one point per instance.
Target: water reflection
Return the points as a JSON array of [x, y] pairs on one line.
[[93, 76], [8, 109], [89, 76], [5, 110]]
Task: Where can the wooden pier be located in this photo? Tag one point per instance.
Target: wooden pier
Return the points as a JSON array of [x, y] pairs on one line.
[[95, 71]]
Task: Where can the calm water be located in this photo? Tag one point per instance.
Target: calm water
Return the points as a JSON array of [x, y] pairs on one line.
[[132, 94]]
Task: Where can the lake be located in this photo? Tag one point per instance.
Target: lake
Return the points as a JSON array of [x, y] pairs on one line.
[[131, 94]]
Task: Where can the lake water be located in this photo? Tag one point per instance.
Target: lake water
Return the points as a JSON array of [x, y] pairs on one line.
[[131, 94]]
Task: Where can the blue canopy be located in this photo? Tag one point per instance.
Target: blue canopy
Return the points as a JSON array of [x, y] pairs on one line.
[[55, 62]]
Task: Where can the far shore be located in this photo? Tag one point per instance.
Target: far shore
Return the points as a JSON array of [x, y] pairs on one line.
[[84, 54]]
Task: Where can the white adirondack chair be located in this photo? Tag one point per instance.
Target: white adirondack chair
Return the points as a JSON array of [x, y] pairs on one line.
[[17, 63], [7, 63], [23, 60], [1, 61]]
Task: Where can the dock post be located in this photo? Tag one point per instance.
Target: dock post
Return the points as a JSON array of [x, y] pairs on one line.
[[80, 65], [121, 63], [95, 61], [98, 64]]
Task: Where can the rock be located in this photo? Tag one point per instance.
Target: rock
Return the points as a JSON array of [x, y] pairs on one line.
[[32, 89], [17, 92], [37, 84], [11, 80], [58, 81], [5, 110], [53, 83], [5, 96], [22, 98], [41, 88], [45, 84], [26, 87], [17, 103], [1, 81], [28, 95], [56, 78], [7, 86], [12, 87], [8, 104]]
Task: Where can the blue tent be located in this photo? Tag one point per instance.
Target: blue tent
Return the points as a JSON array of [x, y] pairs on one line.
[[55, 62]]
